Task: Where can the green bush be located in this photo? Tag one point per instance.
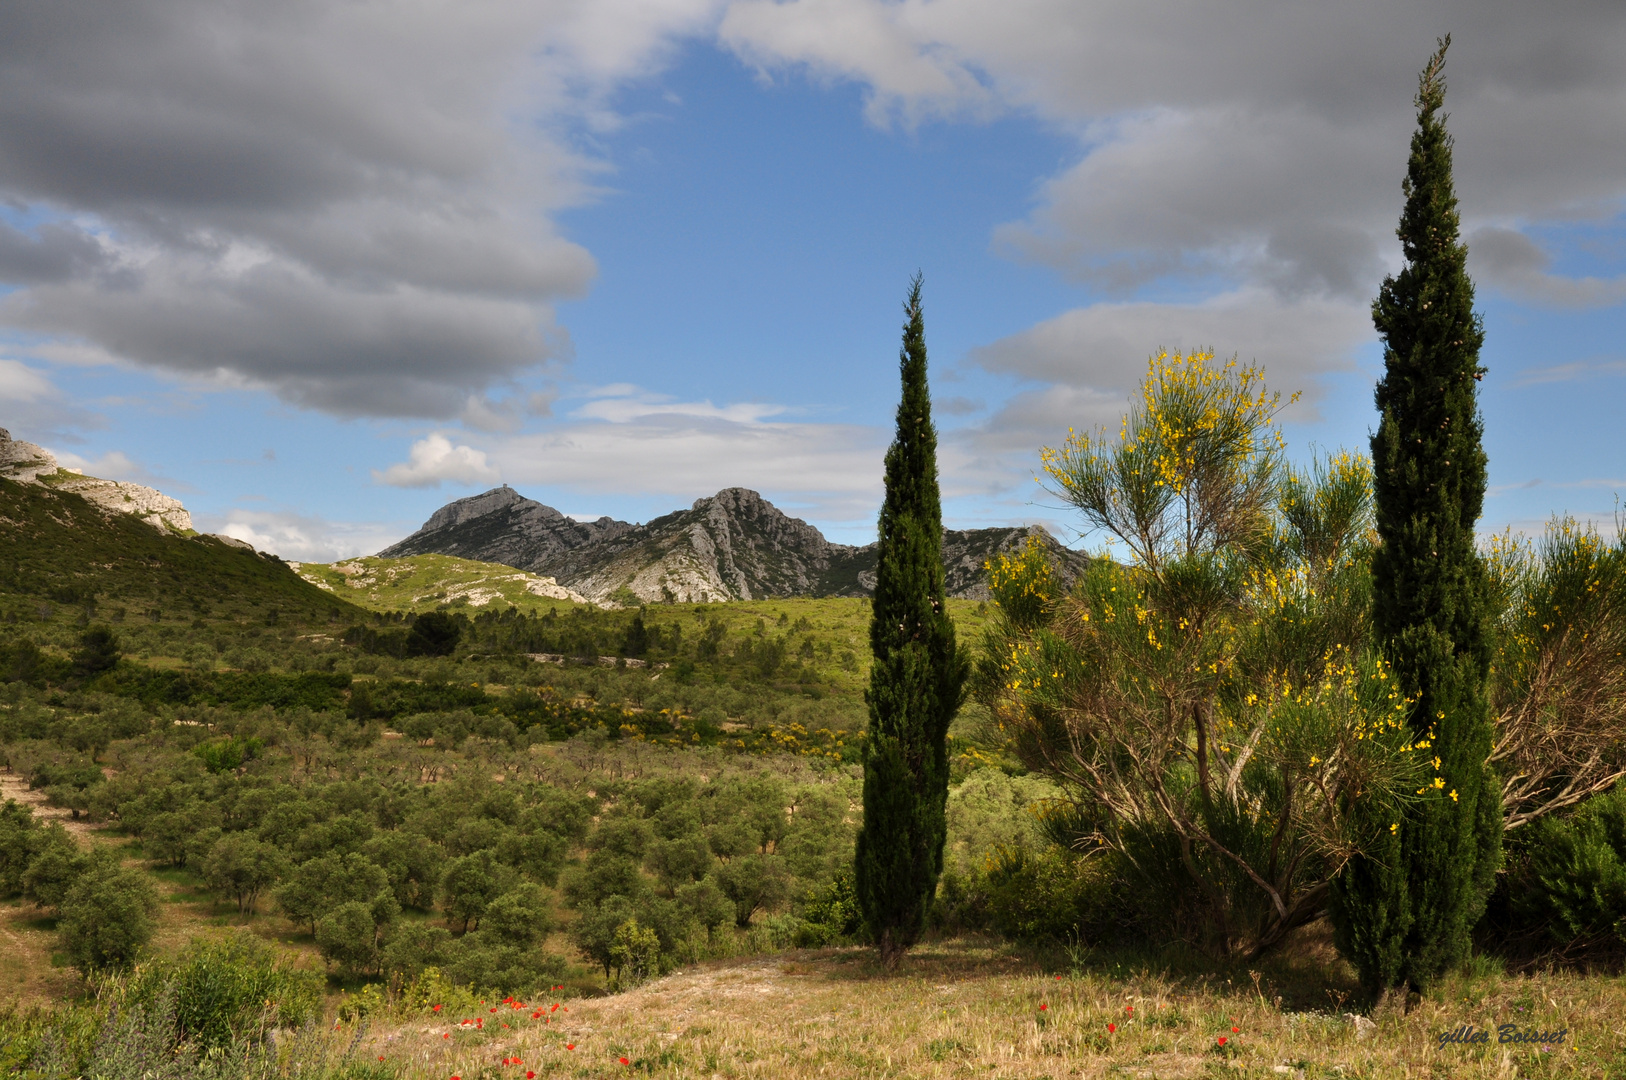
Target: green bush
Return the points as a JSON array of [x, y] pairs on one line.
[[1575, 876], [106, 916], [226, 992], [831, 913], [1049, 895]]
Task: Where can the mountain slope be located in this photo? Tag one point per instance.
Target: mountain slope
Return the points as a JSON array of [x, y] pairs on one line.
[[57, 548], [734, 545]]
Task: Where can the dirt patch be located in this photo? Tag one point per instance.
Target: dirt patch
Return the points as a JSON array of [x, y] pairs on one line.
[[15, 786]]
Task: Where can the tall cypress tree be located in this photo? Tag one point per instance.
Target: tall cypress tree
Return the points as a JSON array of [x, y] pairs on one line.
[[1405, 912], [917, 680]]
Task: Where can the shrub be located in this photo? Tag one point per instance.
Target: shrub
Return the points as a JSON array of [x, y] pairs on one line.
[[226, 992], [1050, 895], [106, 917], [831, 913], [635, 954], [1577, 870]]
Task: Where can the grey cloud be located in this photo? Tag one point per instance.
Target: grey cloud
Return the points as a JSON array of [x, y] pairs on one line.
[[1246, 145], [396, 350], [1511, 261], [1106, 346], [345, 204], [55, 253]]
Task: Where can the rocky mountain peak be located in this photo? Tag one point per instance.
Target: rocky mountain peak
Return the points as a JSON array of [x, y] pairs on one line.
[[487, 502], [734, 545]]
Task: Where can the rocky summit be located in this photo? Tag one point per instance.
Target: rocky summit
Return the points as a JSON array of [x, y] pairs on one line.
[[28, 463], [734, 545]]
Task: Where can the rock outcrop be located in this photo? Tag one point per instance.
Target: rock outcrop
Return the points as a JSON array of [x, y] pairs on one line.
[[30, 464], [734, 545], [502, 526]]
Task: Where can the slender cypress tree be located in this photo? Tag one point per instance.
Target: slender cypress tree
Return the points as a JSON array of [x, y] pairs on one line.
[[1405, 912], [917, 680]]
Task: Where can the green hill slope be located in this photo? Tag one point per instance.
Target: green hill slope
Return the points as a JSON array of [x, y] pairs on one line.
[[62, 560], [425, 582]]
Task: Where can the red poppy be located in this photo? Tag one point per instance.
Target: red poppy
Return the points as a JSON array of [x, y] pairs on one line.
[[1129, 1010], [1236, 1031], [448, 1035], [536, 1015], [1042, 1008], [529, 1075], [555, 1007], [1112, 1029], [624, 1061], [380, 1057], [570, 1046], [1222, 1040], [435, 1009]]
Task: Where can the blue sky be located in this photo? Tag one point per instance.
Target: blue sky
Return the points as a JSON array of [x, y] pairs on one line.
[[623, 254]]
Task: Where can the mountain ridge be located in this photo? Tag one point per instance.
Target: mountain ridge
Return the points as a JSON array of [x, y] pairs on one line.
[[734, 545]]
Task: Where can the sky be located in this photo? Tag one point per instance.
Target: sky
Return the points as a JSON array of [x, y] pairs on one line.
[[318, 268]]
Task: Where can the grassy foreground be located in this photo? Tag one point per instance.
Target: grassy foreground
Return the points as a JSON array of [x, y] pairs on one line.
[[967, 1008]]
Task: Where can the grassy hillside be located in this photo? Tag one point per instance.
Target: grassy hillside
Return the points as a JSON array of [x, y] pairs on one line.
[[63, 561], [427, 582]]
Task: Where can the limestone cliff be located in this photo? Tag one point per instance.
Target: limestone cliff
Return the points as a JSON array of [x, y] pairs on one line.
[[30, 464]]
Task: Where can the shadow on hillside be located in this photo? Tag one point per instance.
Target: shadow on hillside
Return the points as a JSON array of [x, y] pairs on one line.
[[1305, 973]]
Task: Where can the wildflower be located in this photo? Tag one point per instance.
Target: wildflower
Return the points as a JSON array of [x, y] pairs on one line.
[[1112, 1029], [1222, 1040], [1129, 1010], [1236, 1031], [570, 1046], [435, 1009], [624, 1061], [530, 1074], [1042, 1008]]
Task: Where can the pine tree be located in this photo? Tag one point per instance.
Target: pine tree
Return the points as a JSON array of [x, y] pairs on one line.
[[917, 680], [1405, 911]]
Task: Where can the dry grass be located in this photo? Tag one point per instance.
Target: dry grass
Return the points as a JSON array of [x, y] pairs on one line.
[[962, 1009]]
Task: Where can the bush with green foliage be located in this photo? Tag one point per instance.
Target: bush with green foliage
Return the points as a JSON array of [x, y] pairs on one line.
[[106, 916], [227, 992]]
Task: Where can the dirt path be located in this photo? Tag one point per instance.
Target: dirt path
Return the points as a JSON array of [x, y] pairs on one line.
[[15, 786]]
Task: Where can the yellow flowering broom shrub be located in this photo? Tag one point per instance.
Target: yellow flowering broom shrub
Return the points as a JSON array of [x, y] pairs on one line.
[[1205, 695]]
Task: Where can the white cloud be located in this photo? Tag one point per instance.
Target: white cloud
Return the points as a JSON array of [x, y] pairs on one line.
[[113, 465], [33, 407], [301, 538], [433, 460]]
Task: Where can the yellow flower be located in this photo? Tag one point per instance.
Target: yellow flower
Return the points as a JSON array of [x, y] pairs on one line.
[[1453, 794]]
